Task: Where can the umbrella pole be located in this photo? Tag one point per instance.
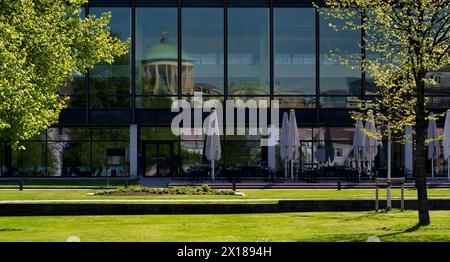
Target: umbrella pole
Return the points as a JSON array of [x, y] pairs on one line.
[[292, 169], [285, 168], [212, 170], [432, 167]]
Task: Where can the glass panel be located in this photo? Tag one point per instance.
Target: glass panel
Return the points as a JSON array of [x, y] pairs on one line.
[[295, 53], [75, 90], [150, 160], [438, 102], [248, 51], [155, 101], [156, 133], [305, 133], [337, 79], [30, 162], [66, 158], [164, 159], [109, 101], [109, 159], [111, 134], [113, 80], [442, 77], [156, 51], [159, 159], [202, 51], [191, 152], [339, 133], [66, 134], [242, 152], [297, 102], [339, 102], [337, 153]]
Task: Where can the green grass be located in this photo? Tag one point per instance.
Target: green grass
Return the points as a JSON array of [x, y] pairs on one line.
[[256, 196], [67, 183], [323, 226]]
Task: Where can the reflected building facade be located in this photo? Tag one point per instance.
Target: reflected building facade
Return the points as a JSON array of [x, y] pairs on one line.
[[118, 119]]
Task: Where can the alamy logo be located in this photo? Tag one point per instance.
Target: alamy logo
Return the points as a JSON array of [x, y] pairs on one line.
[[189, 121]]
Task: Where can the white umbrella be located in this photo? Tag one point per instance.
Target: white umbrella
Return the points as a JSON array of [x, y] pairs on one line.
[[370, 149], [446, 142], [434, 149], [358, 143], [292, 152], [212, 147], [283, 141]]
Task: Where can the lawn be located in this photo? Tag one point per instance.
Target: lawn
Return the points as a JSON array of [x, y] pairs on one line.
[[323, 226], [264, 195], [65, 183]]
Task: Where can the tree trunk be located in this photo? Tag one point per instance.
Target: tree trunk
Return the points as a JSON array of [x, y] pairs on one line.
[[420, 155]]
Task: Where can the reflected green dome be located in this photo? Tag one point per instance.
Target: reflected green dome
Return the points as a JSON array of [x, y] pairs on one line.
[[164, 50]]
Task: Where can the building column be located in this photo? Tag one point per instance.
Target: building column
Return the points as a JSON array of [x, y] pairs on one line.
[[408, 156], [133, 151]]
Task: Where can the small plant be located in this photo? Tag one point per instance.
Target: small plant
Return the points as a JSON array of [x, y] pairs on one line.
[[180, 190]]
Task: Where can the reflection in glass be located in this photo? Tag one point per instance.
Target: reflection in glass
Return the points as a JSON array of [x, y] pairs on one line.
[[156, 133], [438, 101], [337, 79], [74, 89], [297, 101], [202, 51], [68, 158], [242, 152], [295, 54], [156, 52], [351, 102], [162, 102], [111, 134], [248, 51], [109, 159], [442, 78], [30, 162], [109, 85]]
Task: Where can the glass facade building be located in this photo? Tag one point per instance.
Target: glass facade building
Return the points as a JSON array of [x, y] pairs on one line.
[[118, 120]]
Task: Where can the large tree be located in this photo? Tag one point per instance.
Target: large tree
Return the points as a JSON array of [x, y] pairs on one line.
[[43, 44], [403, 40]]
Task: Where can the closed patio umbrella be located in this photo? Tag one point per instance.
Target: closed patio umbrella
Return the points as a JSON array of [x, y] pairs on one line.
[[292, 152], [358, 143], [446, 142], [434, 149], [212, 146], [283, 141]]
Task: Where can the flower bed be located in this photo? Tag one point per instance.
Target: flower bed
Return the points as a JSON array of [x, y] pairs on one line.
[[182, 190]]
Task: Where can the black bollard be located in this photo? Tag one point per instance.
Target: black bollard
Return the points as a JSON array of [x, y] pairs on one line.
[[234, 185], [126, 183], [339, 185], [21, 185]]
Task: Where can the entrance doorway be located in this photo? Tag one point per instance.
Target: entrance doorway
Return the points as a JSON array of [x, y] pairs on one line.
[[158, 158]]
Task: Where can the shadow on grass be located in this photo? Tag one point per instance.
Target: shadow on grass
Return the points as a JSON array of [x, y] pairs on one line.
[[10, 229], [408, 230], [358, 237]]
